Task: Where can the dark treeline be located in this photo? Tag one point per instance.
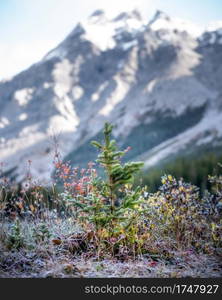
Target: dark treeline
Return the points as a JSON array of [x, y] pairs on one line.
[[193, 169]]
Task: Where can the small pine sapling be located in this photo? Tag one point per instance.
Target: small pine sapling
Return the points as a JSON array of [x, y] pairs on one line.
[[110, 211], [118, 175]]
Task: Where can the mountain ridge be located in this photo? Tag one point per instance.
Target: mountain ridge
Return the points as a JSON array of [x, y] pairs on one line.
[[159, 85]]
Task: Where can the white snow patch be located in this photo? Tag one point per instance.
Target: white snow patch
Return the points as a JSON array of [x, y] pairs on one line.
[[23, 117], [77, 92], [67, 110], [124, 80], [95, 96], [28, 130], [4, 122], [213, 38], [102, 31], [214, 26], [67, 121], [62, 77], [23, 96], [76, 67], [129, 45], [59, 124], [101, 36], [46, 85], [193, 29], [59, 52], [150, 86], [118, 95], [205, 140], [15, 145], [133, 24]]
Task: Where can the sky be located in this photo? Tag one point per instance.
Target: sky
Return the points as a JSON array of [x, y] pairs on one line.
[[29, 29]]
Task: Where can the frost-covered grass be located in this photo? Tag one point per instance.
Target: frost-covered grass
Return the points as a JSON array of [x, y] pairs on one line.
[[104, 227], [42, 259]]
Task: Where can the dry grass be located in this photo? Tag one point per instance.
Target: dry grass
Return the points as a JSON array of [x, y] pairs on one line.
[[47, 259]]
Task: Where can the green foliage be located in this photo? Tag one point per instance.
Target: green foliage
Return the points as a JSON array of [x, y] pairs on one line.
[[192, 169], [15, 239], [111, 207], [41, 233], [113, 217], [117, 173], [216, 182], [181, 209], [214, 208], [177, 211]]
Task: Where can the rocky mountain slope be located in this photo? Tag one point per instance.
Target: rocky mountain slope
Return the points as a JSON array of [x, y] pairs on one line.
[[159, 82]]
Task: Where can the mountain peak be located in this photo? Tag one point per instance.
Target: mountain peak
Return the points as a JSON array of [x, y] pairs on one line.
[[134, 14], [79, 29], [83, 87], [98, 16], [161, 21], [97, 13], [160, 15], [102, 30], [160, 18]]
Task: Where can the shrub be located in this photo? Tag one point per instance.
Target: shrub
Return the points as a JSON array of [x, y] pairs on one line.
[[110, 208], [112, 216], [15, 239], [41, 233], [178, 213], [214, 209]]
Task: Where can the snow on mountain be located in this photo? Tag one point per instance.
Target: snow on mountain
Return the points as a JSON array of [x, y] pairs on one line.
[[162, 21], [102, 31], [211, 37], [155, 81], [204, 133], [214, 26]]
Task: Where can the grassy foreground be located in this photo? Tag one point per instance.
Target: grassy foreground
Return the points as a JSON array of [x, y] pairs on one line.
[[104, 227]]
